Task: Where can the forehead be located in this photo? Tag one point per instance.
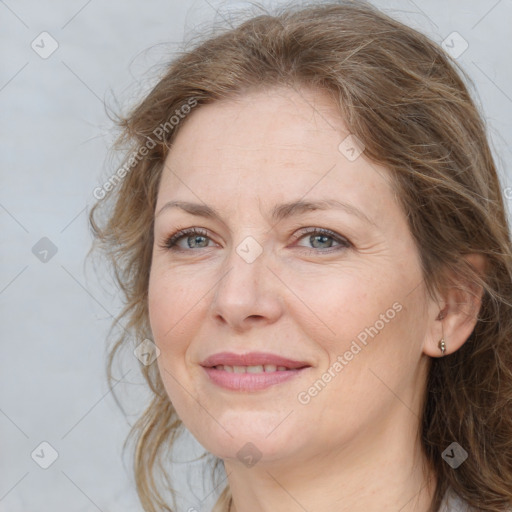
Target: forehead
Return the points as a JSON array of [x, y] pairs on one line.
[[283, 122], [275, 145]]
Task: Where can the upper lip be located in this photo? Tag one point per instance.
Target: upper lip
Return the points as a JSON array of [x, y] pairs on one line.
[[251, 359]]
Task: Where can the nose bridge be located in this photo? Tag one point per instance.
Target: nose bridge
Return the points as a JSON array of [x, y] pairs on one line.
[[245, 268], [245, 289]]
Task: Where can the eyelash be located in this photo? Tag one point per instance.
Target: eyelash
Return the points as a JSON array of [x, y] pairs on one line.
[[171, 242]]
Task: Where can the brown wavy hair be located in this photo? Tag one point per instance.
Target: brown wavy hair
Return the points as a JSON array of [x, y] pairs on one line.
[[408, 102]]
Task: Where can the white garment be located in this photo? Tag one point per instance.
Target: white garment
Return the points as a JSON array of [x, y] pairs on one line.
[[453, 503]]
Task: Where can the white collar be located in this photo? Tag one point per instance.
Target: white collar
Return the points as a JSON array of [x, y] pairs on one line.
[[453, 503]]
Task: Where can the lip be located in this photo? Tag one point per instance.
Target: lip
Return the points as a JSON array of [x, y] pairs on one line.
[[251, 381]]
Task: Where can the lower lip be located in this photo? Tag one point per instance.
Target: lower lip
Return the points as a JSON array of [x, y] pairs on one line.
[[250, 381]]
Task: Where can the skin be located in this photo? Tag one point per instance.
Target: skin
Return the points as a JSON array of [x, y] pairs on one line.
[[354, 446]]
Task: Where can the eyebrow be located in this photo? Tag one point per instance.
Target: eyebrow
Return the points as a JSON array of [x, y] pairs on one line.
[[279, 212]]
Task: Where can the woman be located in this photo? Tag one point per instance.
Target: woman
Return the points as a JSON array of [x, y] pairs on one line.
[[309, 226]]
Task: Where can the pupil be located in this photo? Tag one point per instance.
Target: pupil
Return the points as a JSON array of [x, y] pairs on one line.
[[195, 242], [324, 237]]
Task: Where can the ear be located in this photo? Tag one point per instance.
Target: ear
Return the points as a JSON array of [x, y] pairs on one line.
[[455, 319]]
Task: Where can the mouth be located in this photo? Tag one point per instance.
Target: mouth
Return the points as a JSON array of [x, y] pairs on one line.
[[267, 368], [251, 372]]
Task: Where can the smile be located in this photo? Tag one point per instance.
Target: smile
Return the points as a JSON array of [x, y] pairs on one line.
[[251, 372]]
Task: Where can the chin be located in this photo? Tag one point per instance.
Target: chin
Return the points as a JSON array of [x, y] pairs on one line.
[[249, 439]]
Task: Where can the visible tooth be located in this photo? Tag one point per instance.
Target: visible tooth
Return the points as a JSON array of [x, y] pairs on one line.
[[251, 369], [254, 369]]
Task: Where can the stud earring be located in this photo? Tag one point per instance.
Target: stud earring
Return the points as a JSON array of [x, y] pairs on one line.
[[442, 346]]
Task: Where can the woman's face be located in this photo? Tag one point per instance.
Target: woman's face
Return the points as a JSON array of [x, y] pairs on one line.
[[297, 329]]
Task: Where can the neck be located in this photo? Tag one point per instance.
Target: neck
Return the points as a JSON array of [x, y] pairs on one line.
[[380, 469]]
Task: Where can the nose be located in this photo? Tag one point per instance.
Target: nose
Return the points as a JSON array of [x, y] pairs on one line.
[[247, 293]]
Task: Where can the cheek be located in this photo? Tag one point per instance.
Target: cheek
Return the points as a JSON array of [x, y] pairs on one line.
[[335, 305], [167, 320], [176, 300], [366, 316], [167, 309], [159, 302]]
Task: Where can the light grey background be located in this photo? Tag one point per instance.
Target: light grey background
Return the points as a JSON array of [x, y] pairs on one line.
[[54, 137]]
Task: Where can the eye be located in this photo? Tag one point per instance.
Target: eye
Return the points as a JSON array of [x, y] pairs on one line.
[[321, 238], [195, 238]]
